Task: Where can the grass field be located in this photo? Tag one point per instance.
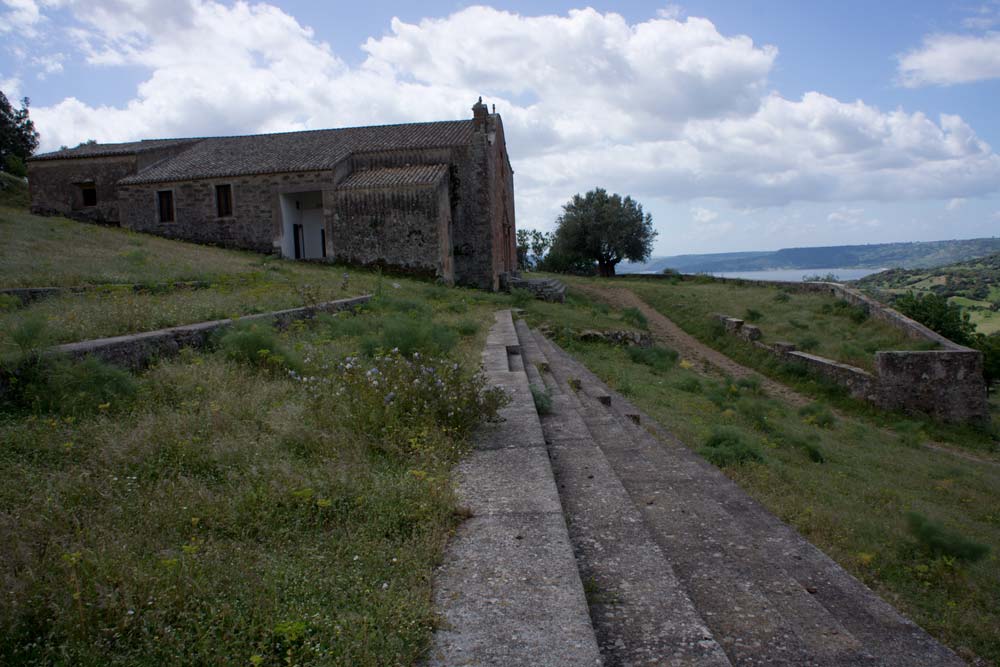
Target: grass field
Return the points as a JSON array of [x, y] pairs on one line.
[[816, 323], [234, 506]]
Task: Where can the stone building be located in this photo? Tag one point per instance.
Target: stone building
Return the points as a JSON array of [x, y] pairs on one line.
[[433, 199]]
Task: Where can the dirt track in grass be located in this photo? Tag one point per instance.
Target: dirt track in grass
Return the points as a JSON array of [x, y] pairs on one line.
[[714, 362]]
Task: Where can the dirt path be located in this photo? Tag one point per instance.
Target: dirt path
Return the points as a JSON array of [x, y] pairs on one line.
[[689, 347], [713, 361]]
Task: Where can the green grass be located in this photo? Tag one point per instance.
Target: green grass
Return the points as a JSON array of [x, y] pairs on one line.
[[817, 323], [847, 485]]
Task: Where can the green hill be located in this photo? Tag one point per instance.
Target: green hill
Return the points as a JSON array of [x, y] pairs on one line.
[[873, 256], [973, 284]]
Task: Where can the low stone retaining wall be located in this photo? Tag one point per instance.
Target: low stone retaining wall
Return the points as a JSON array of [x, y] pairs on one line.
[[136, 351], [946, 384]]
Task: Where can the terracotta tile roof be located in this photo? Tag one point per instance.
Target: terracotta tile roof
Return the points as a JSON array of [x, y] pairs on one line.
[[394, 177], [313, 150], [106, 150]]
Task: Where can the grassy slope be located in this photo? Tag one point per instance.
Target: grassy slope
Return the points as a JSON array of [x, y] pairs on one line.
[[974, 285], [227, 514], [816, 323]]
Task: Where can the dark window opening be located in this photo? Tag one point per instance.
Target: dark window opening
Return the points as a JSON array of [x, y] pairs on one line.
[[165, 203], [224, 200], [89, 195], [322, 240]]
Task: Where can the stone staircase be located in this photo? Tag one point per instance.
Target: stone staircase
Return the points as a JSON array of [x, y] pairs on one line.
[[673, 563], [546, 289]]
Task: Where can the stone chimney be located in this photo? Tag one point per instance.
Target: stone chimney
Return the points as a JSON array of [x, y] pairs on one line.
[[479, 115]]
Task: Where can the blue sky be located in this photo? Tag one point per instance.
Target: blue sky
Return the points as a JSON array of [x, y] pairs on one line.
[[738, 125]]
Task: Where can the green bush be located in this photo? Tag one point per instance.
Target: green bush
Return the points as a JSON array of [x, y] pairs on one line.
[[751, 383], [409, 335], [756, 412], [406, 405], [782, 297], [392, 304], [936, 312], [71, 388], [818, 414], [347, 325], [467, 327], [939, 541], [257, 344], [9, 303], [753, 315], [689, 384], [807, 343], [635, 317], [543, 400], [658, 358], [810, 448], [521, 297], [30, 333], [728, 446]]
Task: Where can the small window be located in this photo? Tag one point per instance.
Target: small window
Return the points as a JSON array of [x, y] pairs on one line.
[[89, 195], [224, 200], [165, 204]]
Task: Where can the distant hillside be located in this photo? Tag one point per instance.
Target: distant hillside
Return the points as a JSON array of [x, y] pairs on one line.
[[874, 256], [972, 284]]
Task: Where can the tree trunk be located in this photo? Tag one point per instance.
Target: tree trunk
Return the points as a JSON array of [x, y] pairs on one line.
[[605, 269]]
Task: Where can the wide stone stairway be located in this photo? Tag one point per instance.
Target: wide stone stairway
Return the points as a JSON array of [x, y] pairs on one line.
[[596, 538]]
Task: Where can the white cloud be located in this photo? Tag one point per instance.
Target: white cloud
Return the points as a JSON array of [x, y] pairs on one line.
[[703, 215], [665, 110], [948, 59], [955, 204], [851, 218], [49, 64], [21, 16], [11, 87]]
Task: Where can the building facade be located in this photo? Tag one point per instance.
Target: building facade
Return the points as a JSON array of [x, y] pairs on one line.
[[433, 199]]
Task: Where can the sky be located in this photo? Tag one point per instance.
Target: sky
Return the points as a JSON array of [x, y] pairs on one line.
[[742, 125]]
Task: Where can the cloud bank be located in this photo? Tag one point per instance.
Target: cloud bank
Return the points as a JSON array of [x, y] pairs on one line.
[[667, 109]]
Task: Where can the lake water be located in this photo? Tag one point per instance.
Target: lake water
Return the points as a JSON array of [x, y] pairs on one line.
[[796, 275]]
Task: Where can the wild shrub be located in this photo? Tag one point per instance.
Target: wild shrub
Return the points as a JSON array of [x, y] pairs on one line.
[[521, 297], [716, 329], [689, 384], [750, 383], [346, 324], [458, 307], [9, 303], [392, 304], [756, 412], [798, 325], [71, 388], [940, 541], [657, 358], [808, 447], [467, 327], [543, 400], [403, 405], [728, 447], [410, 334], [818, 414], [807, 343], [256, 344], [782, 297], [753, 315], [635, 317], [30, 333]]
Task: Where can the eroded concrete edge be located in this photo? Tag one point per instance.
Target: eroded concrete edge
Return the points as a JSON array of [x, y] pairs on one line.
[[509, 592]]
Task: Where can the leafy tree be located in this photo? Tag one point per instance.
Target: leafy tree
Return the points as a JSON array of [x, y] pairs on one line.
[[936, 312], [990, 347], [603, 229], [531, 247], [18, 138]]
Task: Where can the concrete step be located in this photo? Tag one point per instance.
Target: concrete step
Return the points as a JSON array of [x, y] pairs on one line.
[[508, 591], [640, 612], [722, 542]]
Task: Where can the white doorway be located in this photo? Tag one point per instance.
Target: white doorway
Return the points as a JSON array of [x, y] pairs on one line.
[[303, 225]]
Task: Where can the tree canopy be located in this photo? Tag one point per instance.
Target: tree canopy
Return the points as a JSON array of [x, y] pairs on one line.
[[598, 228], [18, 138]]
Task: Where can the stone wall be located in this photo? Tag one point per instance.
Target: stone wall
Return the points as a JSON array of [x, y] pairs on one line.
[[399, 227], [55, 186], [946, 384], [256, 221]]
